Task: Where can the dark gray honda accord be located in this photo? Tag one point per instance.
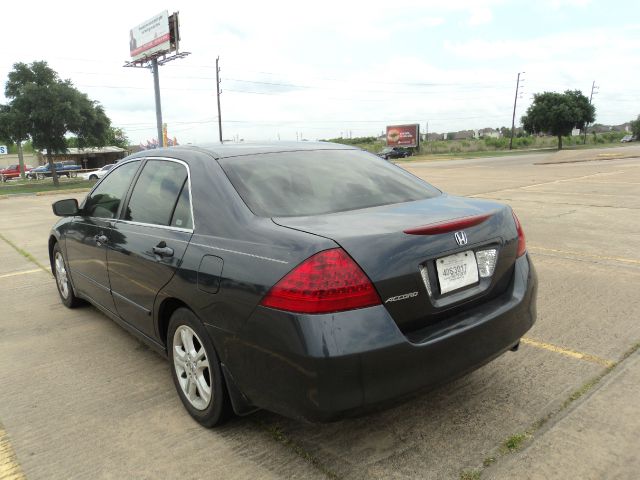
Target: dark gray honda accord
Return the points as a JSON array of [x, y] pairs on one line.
[[310, 279]]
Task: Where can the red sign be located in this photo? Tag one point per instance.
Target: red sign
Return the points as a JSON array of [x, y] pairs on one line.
[[403, 135]]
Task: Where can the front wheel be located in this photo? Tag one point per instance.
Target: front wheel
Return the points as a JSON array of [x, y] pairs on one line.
[[93, 177], [65, 290], [196, 371]]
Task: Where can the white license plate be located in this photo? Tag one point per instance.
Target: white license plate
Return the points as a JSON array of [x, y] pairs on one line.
[[457, 271]]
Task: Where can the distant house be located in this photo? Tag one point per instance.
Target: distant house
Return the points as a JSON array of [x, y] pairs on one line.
[[488, 133], [625, 127], [464, 135], [86, 157], [433, 137]]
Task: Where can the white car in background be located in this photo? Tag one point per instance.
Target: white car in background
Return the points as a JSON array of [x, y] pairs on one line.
[[96, 174]]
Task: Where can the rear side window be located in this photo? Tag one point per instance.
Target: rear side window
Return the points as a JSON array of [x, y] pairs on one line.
[[182, 213], [105, 199], [322, 181], [157, 192]]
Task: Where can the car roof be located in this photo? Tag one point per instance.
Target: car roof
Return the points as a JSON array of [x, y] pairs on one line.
[[226, 150]]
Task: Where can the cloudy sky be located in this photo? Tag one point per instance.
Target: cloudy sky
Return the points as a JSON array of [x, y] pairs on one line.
[[325, 69]]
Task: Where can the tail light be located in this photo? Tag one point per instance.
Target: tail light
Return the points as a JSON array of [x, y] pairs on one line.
[[329, 281], [522, 245]]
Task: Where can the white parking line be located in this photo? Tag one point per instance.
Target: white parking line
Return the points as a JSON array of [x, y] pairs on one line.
[[23, 272]]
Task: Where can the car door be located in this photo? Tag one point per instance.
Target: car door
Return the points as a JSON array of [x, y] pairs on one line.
[[150, 239], [89, 234]]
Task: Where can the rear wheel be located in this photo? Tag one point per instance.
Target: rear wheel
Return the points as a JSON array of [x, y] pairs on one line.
[[39, 176], [65, 289], [195, 369]]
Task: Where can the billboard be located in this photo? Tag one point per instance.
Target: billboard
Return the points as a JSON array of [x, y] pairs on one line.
[[403, 135], [151, 37]]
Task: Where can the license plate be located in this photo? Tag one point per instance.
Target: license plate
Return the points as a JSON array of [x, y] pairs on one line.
[[457, 271]]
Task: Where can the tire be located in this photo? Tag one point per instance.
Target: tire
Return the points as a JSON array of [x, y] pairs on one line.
[[93, 177], [72, 174], [3, 178], [60, 272], [202, 389]]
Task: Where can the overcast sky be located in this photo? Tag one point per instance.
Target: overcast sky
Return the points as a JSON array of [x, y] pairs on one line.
[[330, 68]]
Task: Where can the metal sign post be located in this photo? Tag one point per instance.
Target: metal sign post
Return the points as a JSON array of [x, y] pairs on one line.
[[151, 44]]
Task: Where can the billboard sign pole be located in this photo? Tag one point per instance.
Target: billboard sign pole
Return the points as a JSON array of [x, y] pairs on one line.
[[151, 44]]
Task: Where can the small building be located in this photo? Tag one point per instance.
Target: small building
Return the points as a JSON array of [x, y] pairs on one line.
[[464, 135], [86, 157], [488, 133]]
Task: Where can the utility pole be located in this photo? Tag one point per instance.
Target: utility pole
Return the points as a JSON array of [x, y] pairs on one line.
[[593, 88], [218, 92], [513, 118], [156, 87]]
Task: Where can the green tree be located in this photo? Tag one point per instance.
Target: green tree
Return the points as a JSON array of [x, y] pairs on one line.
[[635, 128], [51, 108], [14, 129], [114, 137], [558, 113]]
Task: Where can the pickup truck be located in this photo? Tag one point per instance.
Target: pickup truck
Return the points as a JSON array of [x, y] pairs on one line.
[[62, 168], [12, 171]]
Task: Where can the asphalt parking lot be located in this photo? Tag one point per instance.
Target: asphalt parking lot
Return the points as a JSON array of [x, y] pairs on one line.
[[81, 398]]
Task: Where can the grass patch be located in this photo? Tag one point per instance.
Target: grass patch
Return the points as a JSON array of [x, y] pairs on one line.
[[488, 461], [473, 474], [279, 436], [19, 187], [24, 253], [516, 442]]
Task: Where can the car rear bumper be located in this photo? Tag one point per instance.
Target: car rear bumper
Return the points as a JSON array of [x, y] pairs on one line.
[[322, 367]]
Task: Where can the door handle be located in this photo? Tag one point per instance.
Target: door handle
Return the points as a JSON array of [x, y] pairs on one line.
[[162, 250], [101, 238]]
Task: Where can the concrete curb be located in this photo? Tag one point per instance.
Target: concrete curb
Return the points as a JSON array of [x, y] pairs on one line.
[[602, 157], [41, 194]]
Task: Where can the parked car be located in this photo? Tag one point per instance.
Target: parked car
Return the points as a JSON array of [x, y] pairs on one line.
[[628, 138], [311, 279], [389, 153], [12, 171], [96, 174], [62, 168]]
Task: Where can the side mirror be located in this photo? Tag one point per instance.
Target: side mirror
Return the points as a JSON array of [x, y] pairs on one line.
[[66, 208]]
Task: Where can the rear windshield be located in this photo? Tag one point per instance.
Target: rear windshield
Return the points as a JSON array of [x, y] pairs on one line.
[[322, 181]]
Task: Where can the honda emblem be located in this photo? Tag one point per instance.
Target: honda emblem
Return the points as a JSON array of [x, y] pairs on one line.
[[461, 237]]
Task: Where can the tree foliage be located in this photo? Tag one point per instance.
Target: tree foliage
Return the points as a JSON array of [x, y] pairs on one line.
[[558, 113], [44, 108], [635, 128]]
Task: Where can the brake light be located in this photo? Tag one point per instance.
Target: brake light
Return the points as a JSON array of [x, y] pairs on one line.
[[448, 225], [329, 281], [522, 246]]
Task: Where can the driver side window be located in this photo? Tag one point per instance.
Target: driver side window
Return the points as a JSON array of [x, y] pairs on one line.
[[105, 199]]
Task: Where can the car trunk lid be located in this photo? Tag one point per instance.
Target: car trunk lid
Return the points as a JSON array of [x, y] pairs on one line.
[[398, 245]]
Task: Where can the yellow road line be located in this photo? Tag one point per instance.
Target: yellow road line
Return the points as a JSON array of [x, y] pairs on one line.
[[567, 352], [588, 255], [9, 467], [23, 272]]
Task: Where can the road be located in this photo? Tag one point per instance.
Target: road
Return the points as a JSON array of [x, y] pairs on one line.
[[80, 398]]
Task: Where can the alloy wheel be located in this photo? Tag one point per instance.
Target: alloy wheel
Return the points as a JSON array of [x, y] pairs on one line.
[[61, 276], [192, 367]]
